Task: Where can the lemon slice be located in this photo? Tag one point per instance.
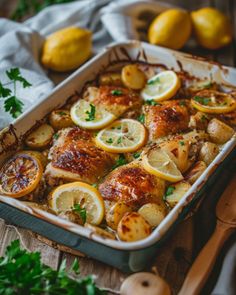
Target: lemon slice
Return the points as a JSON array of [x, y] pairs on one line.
[[161, 87], [66, 196], [157, 162], [213, 102], [20, 175], [122, 136], [89, 116]]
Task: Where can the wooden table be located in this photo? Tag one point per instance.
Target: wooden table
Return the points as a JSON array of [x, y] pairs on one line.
[[176, 255]]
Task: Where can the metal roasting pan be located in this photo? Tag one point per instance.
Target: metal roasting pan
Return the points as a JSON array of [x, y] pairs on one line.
[[132, 256]]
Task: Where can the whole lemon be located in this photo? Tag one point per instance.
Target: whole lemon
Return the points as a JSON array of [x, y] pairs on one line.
[[171, 29], [211, 27], [67, 49]]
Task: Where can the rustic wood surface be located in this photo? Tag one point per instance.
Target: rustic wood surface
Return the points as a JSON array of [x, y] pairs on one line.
[[174, 258]]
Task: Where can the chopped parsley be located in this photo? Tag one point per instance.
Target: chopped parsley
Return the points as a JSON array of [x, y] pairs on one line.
[[116, 92], [169, 192], [141, 118], [182, 103], [91, 113], [118, 127], [203, 118], [207, 85], [119, 140], [181, 142], [120, 161], [109, 140], [56, 136], [136, 155], [152, 102], [153, 81], [202, 100], [95, 185], [61, 113], [80, 211]]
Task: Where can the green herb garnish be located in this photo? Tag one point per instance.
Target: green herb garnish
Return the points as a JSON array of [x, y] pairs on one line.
[[95, 185], [120, 161], [182, 103], [110, 140], [181, 142], [56, 136], [141, 118], [91, 113], [119, 140], [153, 81], [116, 92], [136, 155], [22, 272], [207, 85], [202, 100], [13, 103], [169, 192], [152, 102], [203, 118], [80, 211], [61, 113]]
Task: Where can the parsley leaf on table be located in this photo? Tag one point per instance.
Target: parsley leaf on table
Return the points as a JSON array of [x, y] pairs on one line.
[[23, 273], [14, 106], [15, 75], [4, 92]]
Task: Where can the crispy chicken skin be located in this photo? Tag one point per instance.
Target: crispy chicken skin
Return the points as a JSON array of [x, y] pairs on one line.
[[74, 156], [168, 118], [132, 185], [117, 103]]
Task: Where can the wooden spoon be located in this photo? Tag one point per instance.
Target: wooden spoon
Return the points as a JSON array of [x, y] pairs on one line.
[[226, 224]]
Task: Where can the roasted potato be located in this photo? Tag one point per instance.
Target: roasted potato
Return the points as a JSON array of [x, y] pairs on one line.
[[60, 119], [175, 192], [115, 213], [199, 121], [132, 77], [195, 172], [100, 232], [133, 227], [110, 79], [153, 213], [41, 137], [219, 132], [208, 152], [178, 151]]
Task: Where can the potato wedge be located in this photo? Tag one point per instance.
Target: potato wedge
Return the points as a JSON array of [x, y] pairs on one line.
[[199, 121], [208, 152], [60, 119], [175, 192], [153, 213], [110, 79], [195, 172], [133, 227], [100, 232], [178, 151], [40, 137], [219, 132], [133, 77], [115, 213]]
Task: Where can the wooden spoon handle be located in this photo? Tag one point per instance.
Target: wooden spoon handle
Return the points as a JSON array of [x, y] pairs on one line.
[[200, 270]]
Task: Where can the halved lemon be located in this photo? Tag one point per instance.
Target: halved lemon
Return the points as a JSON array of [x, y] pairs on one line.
[[122, 136], [66, 196], [161, 87], [213, 102], [157, 162], [20, 175], [89, 116]]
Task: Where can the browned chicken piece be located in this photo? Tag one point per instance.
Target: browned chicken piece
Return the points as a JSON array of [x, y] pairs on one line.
[[168, 118], [116, 100], [132, 185], [74, 156]]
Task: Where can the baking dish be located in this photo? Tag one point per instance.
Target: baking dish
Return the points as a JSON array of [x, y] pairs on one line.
[[126, 256]]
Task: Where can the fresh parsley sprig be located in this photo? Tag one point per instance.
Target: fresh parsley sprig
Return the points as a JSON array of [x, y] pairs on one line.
[[80, 211], [22, 272], [91, 113], [12, 103], [120, 161]]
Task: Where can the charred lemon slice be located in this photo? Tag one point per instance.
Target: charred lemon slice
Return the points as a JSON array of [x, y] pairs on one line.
[[157, 162], [67, 196], [161, 87], [122, 136], [213, 102], [20, 175]]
